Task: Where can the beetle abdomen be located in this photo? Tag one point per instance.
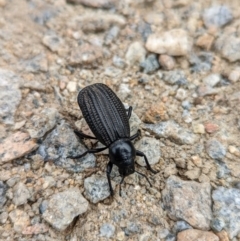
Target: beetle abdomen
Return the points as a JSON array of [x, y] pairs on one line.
[[104, 113]]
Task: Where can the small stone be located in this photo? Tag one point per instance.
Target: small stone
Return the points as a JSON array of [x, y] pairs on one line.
[[198, 128], [186, 105], [118, 62], [20, 220], [16, 146], [175, 42], [181, 94], [111, 35], [176, 196], [217, 224], [193, 174], [3, 191], [107, 230], [12, 181], [226, 208], [120, 236], [97, 188], [35, 229], [215, 149], [150, 64], [3, 217], [48, 182], [86, 55], [171, 130], [202, 62], [167, 62], [217, 16], [205, 41], [72, 86], [180, 226], [212, 79], [234, 75], [205, 90], [196, 235], [63, 207], [211, 127], [175, 77], [134, 123], [197, 161], [37, 162], [124, 91], [155, 113], [20, 194], [53, 42], [36, 64], [135, 54], [223, 236], [95, 3], [234, 150], [42, 123], [9, 92], [151, 148]]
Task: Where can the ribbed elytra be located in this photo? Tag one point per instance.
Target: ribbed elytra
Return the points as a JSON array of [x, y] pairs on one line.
[[107, 118]]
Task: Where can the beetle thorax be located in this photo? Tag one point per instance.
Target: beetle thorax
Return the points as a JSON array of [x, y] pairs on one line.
[[122, 153]]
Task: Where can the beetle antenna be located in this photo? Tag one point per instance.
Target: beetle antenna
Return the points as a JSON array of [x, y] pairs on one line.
[[145, 177], [120, 190]]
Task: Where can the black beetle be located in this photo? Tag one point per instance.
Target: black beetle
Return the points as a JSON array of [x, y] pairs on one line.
[[107, 118]]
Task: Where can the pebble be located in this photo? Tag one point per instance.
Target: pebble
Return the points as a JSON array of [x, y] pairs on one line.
[[42, 123], [223, 236], [226, 203], [62, 142], [36, 64], [155, 113], [212, 79], [72, 86], [123, 91], [234, 75], [97, 188], [176, 196], [13, 180], [167, 62], [211, 127], [175, 77], [205, 90], [134, 123], [111, 35], [227, 45], [20, 220], [15, 146], [53, 42], [144, 28], [198, 128], [3, 191], [201, 62], [175, 42], [86, 55], [234, 150], [180, 226], [215, 149], [107, 230], [3, 217], [63, 207], [205, 41], [196, 235], [21, 194], [9, 92], [150, 64], [217, 16], [181, 94], [35, 229], [171, 130], [119, 62], [151, 148], [106, 4], [135, 54], [186, 105]]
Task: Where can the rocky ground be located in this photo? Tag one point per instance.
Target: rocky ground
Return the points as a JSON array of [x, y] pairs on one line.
[[177, 63]]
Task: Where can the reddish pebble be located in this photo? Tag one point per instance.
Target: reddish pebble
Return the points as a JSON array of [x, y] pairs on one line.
[[166, 61], [211, 128]]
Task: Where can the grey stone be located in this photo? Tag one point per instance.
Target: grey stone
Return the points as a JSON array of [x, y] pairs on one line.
[[171, 130], [112, 35], [212, 79], [35, 64], [201, 62], [61, 143], [151, 148], [217, 16], [175, 77], [118, 62], [107, 230], [3, 191], [43, 206], [180, 226], [215, 149], [217, 224], [42, 123], [53, 42], [144, 29], [132, 227], [150, 64], [20, 194], [186, 105], [3, 217], [95, 3], [63, 207], [97, 188], [9, 90], [226, 206], [135, 54], [12, 181], [20, 220], [189, 201]]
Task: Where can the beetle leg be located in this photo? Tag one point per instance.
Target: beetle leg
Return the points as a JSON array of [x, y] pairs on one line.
[[129, 112], [82, 135], [135, 135], [109, 169], [139, 153], [88, 151], [120, 190]]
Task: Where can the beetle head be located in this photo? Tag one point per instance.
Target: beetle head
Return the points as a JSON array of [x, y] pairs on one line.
[[122, 153]]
